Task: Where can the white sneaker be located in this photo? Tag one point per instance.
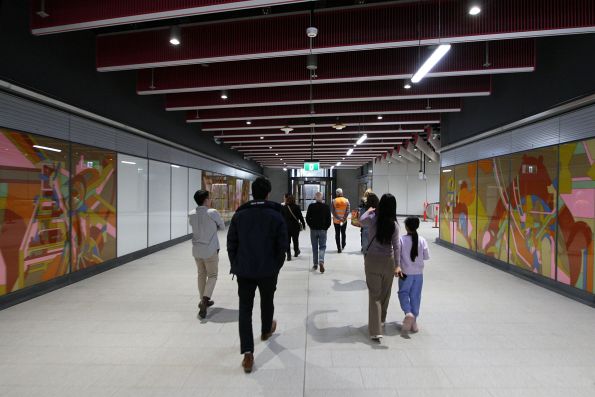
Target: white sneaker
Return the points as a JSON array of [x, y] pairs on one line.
[[408, 322], [376, 338]]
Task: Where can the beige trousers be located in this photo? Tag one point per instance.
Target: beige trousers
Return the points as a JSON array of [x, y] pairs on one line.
[[379, 278], [207, 274]]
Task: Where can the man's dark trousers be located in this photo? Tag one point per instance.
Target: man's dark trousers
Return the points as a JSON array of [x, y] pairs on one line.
[[340, 233], [246, 290]]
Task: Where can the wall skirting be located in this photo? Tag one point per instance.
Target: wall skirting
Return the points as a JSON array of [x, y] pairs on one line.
[[552, 285], [34, 291]]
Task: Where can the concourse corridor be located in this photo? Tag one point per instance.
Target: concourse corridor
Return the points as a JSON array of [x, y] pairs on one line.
[[134, 331]]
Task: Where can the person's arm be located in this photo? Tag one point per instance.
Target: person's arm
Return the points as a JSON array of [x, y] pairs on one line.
[[367, 217], [309, 216], [300, 216], [281, 242], [232, 241], [426, 254], [216, 217], [347, 212], [333, 212], [329, 218]]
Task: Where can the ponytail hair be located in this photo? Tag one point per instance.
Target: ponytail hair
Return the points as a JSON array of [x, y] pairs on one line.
[[412, 224]]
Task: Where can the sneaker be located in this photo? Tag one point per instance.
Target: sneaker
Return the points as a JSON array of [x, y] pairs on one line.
[[376, 338], [315, 267], [408, 322], [297, 253], [202, 308], [414, 327], [248, 362], [269, 334], [339, 250], [211, 303], [321, 267], [288, 257]]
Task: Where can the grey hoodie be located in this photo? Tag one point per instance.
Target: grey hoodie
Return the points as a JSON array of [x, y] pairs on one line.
[[205, 222]]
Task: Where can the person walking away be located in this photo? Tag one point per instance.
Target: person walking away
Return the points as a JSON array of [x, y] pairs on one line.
[[205, 223], [381, 261], [340, 210], [371, 202], [360, 211], [256, 245], [295, 223], [414, 251], [318, 217]]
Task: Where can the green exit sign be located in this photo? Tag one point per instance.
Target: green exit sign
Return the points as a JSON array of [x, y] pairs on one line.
[[311, 166]]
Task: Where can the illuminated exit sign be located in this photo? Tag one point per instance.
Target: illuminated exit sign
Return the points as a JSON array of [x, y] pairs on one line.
[[311, 166]]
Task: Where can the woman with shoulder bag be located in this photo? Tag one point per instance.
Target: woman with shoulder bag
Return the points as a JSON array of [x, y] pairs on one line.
[[295, 223], [382, 260]]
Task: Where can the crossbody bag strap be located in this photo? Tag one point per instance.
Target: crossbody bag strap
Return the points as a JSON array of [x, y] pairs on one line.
[[373, 238], [291, 212]]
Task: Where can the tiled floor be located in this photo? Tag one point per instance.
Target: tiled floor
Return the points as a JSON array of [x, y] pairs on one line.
[[133, 331]]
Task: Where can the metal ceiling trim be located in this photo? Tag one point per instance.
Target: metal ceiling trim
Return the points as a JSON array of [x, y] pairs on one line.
[[276, 127]]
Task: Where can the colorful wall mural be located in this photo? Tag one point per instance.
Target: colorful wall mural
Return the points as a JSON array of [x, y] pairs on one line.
[[525, 214], [576, 215], [227, 193], [93, 200], [34, 202]]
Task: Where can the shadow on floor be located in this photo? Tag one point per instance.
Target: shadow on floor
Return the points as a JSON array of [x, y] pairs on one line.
[[220, 315], [355, 285], [343, 334]]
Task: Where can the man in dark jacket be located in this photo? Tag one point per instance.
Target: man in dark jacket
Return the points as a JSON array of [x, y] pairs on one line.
[[256, 244], [318, 218]]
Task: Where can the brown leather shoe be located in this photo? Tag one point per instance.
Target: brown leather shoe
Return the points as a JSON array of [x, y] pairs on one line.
[[321, 265], [248, 362], [269, 334]]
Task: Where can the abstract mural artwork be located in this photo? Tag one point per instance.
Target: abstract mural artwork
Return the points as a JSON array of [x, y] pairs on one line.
[[493, 205], [93, 212], [464, 212], [34, 201], [227, 193], [576, 215]]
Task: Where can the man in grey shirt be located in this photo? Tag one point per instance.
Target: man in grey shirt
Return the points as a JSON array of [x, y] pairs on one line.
[[205, 222]]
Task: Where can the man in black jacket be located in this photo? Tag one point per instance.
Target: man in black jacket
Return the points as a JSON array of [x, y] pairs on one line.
[[256, 244], [318, 218]]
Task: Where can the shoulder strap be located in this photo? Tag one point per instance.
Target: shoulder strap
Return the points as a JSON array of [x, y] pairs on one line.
[[291, 212], [371, 241]]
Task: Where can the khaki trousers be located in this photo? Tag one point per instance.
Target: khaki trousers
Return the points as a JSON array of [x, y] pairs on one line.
[[207, 274], [379, 278]]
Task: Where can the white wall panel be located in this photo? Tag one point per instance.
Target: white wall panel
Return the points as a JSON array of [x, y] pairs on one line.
[[194, 184], [159, 202], [179, 201], [132, 203]]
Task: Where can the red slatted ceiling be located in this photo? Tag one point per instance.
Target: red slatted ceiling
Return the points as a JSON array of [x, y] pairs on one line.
[[374, 89], [383, 26], [96, 13], [396, 118], [467, 57], [329, 108]]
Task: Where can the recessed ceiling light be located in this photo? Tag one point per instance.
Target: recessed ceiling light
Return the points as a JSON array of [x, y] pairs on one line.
[[407, 85], [474, 10], [379, 117], [276, 154], [270, 147], [248, 122], [174, 35], [339, 126], [287, 129], [224, 94], [262, 137]]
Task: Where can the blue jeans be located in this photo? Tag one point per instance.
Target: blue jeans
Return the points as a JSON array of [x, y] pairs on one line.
[[410, 293], [318, 239]]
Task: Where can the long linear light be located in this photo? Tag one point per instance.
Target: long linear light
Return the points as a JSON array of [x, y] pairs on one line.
[[51, 149], [362, 139], [349, 152], [431, 62]]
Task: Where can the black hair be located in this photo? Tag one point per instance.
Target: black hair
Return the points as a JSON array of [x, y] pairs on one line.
[[412, 224], [200, 196], [290, 200], [386, 214], [372, 201], [261, 187]]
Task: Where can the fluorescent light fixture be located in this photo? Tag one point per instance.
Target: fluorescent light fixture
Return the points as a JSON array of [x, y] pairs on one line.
[[362, 139], [349, 152], [474, 10], [338, 164], [224, 94], [174, 36], [128, 162], [332, 167], [175, 166], [431, 62], [51, 149], [446, 171]]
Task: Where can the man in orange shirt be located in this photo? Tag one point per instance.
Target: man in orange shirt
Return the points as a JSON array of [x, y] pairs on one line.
[[340, 209]]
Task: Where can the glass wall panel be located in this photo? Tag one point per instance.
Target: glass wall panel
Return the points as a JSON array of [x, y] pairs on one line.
[[34, 201], [492, 207], [194, 184], [133, 184], [93, 206], [465, 206], [533, 210], [159, 202], [447, 203], [576, 215], [179, 201]]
